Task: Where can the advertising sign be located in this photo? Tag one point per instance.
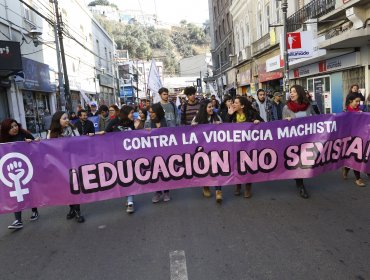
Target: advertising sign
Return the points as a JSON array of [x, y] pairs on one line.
[[300, 44]]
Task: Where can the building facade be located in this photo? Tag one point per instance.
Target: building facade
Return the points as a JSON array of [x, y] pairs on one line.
[[32, 92]]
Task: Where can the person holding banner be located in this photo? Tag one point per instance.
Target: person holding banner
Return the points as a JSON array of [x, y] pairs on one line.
[[242, 111], [298, 106], [12, 131], [158, 119], [83, 125], [124, 122], [353, 100], [207, 115], [61, 127]]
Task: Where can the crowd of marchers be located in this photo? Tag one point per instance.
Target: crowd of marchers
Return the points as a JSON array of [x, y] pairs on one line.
[[189, 111]]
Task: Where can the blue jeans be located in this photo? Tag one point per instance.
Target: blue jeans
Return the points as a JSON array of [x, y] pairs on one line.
[[130, 199]]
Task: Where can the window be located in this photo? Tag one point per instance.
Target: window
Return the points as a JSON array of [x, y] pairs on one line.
[[247, 39], [259, 21], [242, 38], [237, 41], [277, 10], [228, 21], [267, 10]]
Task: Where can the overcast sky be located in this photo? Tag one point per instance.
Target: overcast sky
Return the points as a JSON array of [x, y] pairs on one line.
[[168, 11]]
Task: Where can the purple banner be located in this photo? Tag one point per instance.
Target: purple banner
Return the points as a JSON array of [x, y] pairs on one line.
[[86, 169]]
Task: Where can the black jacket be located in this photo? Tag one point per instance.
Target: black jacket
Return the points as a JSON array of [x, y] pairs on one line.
[[85, 128], [251, 117]]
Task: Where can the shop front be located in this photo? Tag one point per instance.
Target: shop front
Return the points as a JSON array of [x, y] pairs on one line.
[[36, 91], [106, 90], [329, 81], [230, 82], [10, 63], [270, 81]]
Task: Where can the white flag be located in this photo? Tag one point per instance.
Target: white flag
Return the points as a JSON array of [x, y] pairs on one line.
[[213, 92], [154, 82]]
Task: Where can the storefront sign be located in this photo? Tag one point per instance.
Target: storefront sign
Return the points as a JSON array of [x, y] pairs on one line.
[[299, 44], [264, 76], [330, 65], [106, 80], [10, 57], [36, 76], [126, 92], [274, 63]]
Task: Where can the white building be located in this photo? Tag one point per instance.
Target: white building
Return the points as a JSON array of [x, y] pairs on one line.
[[89, 53], [197, 65], [109, 12]]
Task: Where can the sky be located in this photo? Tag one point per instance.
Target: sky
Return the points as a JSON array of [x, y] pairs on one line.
[[168, 11]]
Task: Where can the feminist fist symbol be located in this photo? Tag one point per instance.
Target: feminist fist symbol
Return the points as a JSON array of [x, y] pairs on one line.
[[15, 173], [16, 177]]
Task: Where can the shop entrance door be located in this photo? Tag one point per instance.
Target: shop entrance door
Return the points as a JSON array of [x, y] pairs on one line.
[[320, 90], [4, 110]]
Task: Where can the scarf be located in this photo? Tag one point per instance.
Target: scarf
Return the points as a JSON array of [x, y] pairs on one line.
[[350, 109], [240, 118], [295, 107]]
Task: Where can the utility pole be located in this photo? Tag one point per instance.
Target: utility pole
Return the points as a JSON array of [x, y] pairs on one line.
[[284, 8], [65, 95], [60, 74]]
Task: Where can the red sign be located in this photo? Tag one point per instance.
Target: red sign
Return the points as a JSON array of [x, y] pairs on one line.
[[296, 73], [294, 40], [322, 66], [264, 76]]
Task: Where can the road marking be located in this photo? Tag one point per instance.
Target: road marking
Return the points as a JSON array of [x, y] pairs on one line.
[[178, 265]]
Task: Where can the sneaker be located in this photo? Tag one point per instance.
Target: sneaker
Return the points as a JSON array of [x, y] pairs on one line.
[[219, 196], [207, 192], [79, 218], [16, 225], [35, 216], [130, 208], [71, 214], [166, 197], [360, 183], [156, 197]]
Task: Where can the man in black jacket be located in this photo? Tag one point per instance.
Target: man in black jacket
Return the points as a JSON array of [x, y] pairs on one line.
[[83, 125]]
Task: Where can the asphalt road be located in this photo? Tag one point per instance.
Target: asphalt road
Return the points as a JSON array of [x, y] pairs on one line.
[[274, 235]]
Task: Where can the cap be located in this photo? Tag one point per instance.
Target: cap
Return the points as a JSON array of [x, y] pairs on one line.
[[277, 93], [93, 103]]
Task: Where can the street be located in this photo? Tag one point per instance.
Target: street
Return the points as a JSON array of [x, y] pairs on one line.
[[274, 235]]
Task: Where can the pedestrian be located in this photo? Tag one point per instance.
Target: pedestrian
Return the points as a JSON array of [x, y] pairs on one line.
[[158, 120], [83, 125], [190, 107], [142, 121], [124, 122], [60, 128], [113, 112], [263, 106], [277, 107], [103, 117], [215, 105], [353, 105], [315, 110], [207, 115], [355, 89], [169, 108], [93, 110], [298, 106], [12, 131], [224, 107], [242, 111]]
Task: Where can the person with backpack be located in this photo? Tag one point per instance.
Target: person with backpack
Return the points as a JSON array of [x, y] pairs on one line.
[[190, 108]]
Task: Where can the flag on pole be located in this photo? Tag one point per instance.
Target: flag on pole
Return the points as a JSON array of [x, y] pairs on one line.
[[154, 82], [213, 92]]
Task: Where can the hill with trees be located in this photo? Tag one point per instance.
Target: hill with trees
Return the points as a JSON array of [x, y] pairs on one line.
[[145, 42]]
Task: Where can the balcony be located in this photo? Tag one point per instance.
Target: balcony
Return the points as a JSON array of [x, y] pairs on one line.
[[261, 44], [314, 9]]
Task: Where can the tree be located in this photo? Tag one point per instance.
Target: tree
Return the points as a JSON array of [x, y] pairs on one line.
[[99, 2]]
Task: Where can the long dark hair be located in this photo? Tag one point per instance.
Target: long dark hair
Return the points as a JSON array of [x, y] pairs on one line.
[[350, 97], [159, 112], [302, 97], [6, 125], [56, 130], [123, 116], [202, 115], [248, 108]]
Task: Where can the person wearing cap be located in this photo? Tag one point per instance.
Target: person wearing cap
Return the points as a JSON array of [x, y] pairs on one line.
[[94, 110], [263, 105], [277, 107]]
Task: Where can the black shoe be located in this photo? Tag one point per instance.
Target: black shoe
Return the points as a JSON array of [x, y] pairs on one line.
[[303, 192], [16, 225], [35, 216], [79, 217], [71, 214]]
